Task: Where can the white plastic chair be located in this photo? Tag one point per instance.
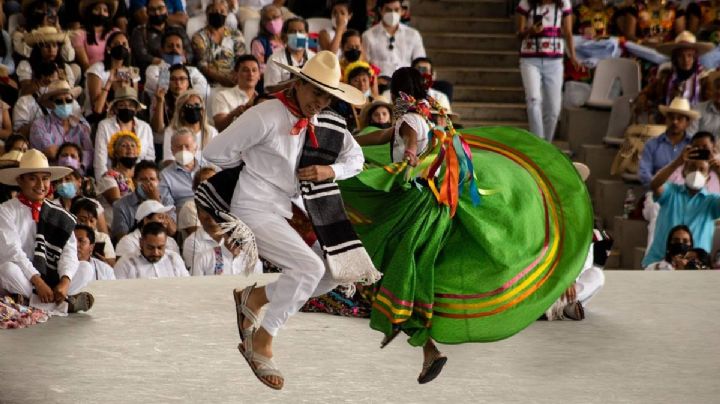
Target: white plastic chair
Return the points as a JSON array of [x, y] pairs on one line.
[[627, 71], [250, 30], [620, 118], [315, 25]]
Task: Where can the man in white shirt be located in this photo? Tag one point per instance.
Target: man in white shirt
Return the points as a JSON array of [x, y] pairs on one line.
[[391, 45], [230, 103], [85, 237], [30, 227], [150, 211], [154, 261], [173, 53]]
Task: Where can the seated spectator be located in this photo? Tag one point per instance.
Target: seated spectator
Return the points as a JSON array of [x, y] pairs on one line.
[[252, 9], [66, 189], [679, 242], [123, 118], [177, 178], [688, 204], [295, 37], [123, 149], [375, 116], [189, 115], [154, 260], [652, 21], [593, 19], [113, 73], [71, 155], [146, 40], [709, 110], [216, 47], [27, 109], [268, 40], [391, 45], [351, 48], [85, 248], [147, 187], [340, 15], [30, 225], [45, 43], [6, 128], [359, 75], [38, 14], [424, 65], [60, 125], [16, 142], [162, 106], [188, 221], [86, 212], [697, 258], [230, 103], [148, 212], [175, 9], [97, 24]]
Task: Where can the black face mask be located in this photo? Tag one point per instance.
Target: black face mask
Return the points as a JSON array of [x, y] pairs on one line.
[[216, 20], [157, 19], [678, 249], [382, 125], [98, 20], [125, 115], [127, 162], [192, 115], [119, 52], [352, 55]]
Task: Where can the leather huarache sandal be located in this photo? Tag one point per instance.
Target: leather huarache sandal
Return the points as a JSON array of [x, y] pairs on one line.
[[83, 301], [262, 366], [244, 312], [389, 338], [432, 368]]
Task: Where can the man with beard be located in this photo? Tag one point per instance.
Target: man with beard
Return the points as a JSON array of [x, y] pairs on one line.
[[153, 261]]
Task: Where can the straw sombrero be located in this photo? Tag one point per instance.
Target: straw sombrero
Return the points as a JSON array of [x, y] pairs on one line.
[[11, 159], [126, 93], [85, 6], [680, 106], [685, 40], [367, 110], [323, 71], [44, 35], [59, 87], [32, 161]]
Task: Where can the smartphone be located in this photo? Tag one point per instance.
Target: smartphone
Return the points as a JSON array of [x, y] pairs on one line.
[[701, 154], [123, 74], [99, 248], [164, 79]]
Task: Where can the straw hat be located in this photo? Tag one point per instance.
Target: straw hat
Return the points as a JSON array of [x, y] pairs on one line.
[[44, 35], [126, 93], [11, 159], [583, 170], [27, 4], [680, 106], [59, 87], [32, 161], [323, 71], [367, 110], [448, 111], [685, 40], [85, 6]]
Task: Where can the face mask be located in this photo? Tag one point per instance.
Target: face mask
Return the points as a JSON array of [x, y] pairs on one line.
[[157, 19], [128, 162], [184, 157], [382, 125], [391, 19], [125, 115], [67, 161], [63, 111], [367, 93], [119, 52], [98, 20], [352, 55], [274, 26], [66, 190], [192, 115], [141, 192], [216, 20], [695, 180], [297, 41], [173, 59], [678, 249]]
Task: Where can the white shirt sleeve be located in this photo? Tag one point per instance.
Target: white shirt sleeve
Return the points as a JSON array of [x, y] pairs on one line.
[[350, 160], [273, 72], [124, 269], [125, 247], [221, 103], [68, 264], [178, 264], [24, 111], [167, 144], [418, 49], [102, 138], [225, 149], [199, 82], [10, 248]]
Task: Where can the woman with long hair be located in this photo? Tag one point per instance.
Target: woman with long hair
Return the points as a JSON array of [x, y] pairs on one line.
[[189, 113], [679, 243], [90, 41], [162, 107], [45, 43]]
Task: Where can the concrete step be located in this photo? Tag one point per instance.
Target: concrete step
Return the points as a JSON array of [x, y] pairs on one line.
[[599, 159], [629, 234], [470, 41], [490, 111], [477, 58], [460, 8], [471, 93], [495, 76], [470, 123], [463, 24], [583, 126], [608, 200]]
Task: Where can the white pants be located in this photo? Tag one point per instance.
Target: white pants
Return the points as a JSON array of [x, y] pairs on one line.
[[590, 281], [651, 209], [542, 79], [303, 271], [13, 280]]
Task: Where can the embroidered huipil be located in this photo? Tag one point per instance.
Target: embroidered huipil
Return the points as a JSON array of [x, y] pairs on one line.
[[48, 131], [550, 43]]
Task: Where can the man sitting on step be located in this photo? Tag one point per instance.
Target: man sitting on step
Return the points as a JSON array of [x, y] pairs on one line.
[[154, 261]]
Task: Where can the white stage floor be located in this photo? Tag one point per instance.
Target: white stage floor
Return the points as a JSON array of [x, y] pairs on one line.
[[648, 338]]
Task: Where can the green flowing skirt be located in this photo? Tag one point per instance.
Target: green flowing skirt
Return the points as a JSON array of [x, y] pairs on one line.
[[493, 268]]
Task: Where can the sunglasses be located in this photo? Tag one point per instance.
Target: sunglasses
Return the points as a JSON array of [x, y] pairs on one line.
[[63, 101], [391, 43]]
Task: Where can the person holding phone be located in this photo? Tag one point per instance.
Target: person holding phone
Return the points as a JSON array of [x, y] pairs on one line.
[[679, 243], [87, 247]]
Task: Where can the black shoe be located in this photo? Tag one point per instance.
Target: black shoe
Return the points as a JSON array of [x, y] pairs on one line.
[[83, 301]]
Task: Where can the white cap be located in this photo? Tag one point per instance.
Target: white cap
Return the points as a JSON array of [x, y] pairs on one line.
[[149, 207]]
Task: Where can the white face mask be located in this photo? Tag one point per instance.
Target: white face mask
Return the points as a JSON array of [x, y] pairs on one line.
[[184, 157], [391, 19], [695, 180], [333, 20]]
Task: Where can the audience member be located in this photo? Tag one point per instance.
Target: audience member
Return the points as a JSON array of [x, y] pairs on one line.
[[295, 37], [38, 14], [709, 110], [162, 106], [44, 43], [189, 115], [177, 178], [679, 242], [268, 40], [424, 65], [361, 76], [16, 142], [188, 221], [38, 226], [60, 125], [89, 41], [351, 48], [85, 247], [147, 187], [148, 212], [230, 103], [340, 15], [154, 260], [175, 10], [146, 40], [216, 47], [116, 182], [251, 9], [86, 212], [375, 116], [122, 119], [391, 45]]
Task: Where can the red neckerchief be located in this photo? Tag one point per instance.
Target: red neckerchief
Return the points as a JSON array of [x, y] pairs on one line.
[[302, 122], [34, 206]]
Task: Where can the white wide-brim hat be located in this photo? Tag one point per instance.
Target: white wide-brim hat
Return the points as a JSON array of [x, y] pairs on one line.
[[680, 106], [323, 71], [32, 161], [583, 170]]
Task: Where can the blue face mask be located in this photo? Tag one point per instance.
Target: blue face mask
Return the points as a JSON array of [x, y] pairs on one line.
[[298, 41], [173, 59], [141, 192], [66, 190], [63, 111]]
